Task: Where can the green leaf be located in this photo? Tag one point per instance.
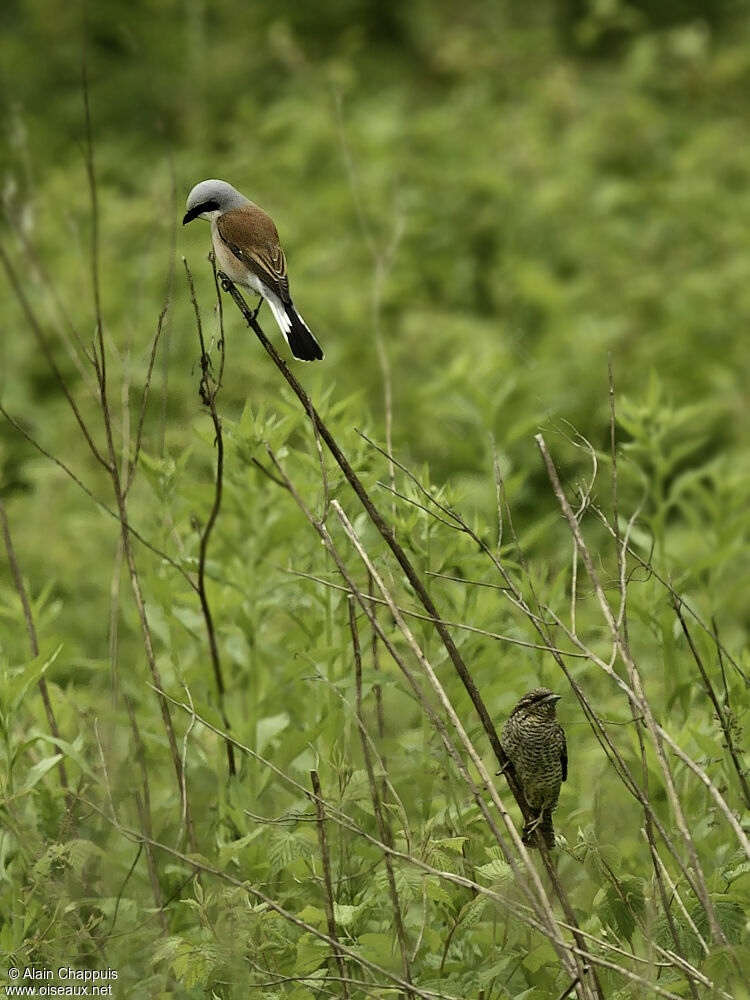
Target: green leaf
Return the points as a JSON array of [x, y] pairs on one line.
[[542, 955], [495, 871], [311, 953], [313, 915], [269, 728], [38, 771], [624, 903], [452, 843], [17, 681], [345, 914], [473, 911], [437, 892], [192, 965]]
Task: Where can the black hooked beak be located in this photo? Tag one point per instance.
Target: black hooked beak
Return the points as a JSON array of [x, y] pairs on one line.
[[196, 210]]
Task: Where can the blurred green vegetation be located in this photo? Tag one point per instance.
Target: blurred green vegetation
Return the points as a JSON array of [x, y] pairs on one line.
[[568, 182]]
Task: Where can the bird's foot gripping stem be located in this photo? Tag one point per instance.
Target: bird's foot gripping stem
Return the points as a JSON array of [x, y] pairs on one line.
[[226, 282], [532, 825], [542, 824]]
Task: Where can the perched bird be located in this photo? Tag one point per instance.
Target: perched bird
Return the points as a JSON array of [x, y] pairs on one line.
[[247, 249], [535, 745]]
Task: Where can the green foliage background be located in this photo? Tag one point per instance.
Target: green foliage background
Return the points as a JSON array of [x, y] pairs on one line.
[[568, 182]]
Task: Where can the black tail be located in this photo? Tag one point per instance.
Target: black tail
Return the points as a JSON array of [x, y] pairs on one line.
[[301, 341]]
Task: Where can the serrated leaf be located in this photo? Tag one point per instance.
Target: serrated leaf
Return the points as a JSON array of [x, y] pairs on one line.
[[286, 847], [731, 915], [452, 843], [495, 871], [732, 873], [192, 965], [472, 912], [81, 852], [166, 950], [437, 892]]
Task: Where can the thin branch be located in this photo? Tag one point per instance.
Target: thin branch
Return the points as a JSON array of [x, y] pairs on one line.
[[496, 636], [208, 392], [100, 361], [33, 643], [722, 720], [99, 503], [657, 734], [384, 829], [41, 340], [325, 861], [144, 814], [419, 506], [144, 397], [378, 688]]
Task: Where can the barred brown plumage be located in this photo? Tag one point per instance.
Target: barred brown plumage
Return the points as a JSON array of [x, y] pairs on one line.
[[535, 745]]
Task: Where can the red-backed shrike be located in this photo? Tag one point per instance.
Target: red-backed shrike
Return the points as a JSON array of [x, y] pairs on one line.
[[247, 249]]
